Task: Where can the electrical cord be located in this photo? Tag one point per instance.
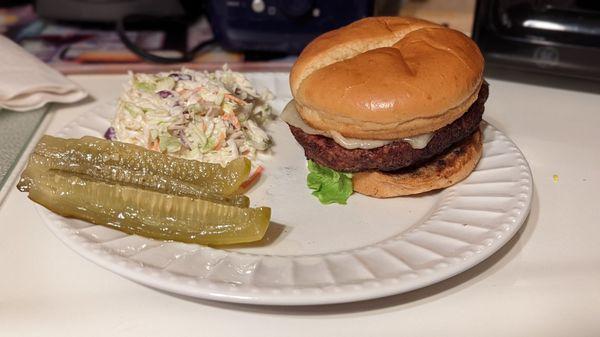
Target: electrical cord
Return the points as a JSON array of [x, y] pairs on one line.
[[187, 55]]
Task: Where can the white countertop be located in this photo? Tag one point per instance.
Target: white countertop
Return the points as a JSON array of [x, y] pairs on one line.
[[545, 282]]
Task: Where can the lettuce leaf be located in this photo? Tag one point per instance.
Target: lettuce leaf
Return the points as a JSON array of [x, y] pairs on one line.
[[329, 186]]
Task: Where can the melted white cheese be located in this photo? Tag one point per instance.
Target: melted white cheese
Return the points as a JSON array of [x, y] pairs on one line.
[[290, 115]]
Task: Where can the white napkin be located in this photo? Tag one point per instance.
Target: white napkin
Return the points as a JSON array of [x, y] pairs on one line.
[[27, 83]]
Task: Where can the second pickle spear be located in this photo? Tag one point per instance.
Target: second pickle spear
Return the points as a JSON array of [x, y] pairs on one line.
[[148, 213], [212, 178]]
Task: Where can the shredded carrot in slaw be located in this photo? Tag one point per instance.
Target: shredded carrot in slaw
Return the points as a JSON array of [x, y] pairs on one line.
[[155, 145], [220, 141], [253, 178], [233, 119], [235, 99]]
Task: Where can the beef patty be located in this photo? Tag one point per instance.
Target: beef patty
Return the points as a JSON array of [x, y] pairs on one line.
[[399, 154]]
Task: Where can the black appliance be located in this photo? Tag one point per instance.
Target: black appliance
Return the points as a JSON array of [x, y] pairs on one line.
[[521, 38], [112, 10], [283, 26], [262, 29], [172, 17]]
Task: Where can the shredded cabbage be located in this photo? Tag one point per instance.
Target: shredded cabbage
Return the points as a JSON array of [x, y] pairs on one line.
[[211, 117]]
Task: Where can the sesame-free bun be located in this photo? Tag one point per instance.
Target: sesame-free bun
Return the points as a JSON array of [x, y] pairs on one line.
[[443, 171], [386, 78]]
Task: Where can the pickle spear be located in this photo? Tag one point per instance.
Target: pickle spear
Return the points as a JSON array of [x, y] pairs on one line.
[[113, 174], [211, 178], [148, 213]]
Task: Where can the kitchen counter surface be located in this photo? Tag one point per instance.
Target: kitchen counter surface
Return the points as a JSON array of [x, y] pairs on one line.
[[545, 282]]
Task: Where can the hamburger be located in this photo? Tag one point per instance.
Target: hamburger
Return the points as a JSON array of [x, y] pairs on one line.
[[394, 102]]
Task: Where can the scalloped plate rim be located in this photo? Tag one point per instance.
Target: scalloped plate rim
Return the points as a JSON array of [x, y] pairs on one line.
[[292, 295]]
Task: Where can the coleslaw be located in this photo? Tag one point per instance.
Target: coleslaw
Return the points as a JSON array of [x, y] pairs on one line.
[[212, 117]]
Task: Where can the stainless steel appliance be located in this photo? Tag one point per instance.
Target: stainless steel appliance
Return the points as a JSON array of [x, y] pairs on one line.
[[552, 38]]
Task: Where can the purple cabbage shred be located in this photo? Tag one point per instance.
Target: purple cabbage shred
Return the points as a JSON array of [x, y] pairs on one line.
[[110, 133], [164, 93]]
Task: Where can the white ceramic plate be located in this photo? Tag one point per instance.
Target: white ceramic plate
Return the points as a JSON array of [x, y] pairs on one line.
[[316, 254]]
